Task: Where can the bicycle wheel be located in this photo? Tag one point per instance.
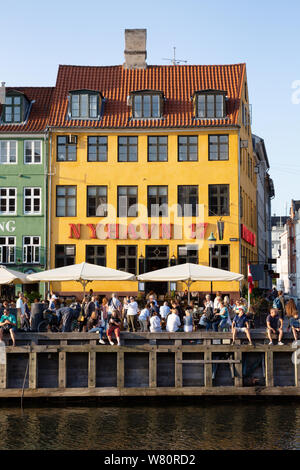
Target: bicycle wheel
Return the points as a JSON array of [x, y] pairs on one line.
[[43, 327]]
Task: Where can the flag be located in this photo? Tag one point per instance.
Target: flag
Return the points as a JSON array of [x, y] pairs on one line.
[[250, 280]]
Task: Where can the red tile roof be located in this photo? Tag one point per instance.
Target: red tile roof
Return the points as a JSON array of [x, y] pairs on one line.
[[178, 83], [39, 113]]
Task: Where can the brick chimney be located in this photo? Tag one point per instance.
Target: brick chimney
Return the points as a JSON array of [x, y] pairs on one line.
[[135, 49], [2, 93]]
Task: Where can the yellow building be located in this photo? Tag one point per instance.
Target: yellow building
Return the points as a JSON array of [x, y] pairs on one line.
[[151, 166]]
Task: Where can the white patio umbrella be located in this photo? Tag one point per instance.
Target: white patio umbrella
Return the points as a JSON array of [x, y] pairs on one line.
[[9, 276], [189, 273], [83, 273]]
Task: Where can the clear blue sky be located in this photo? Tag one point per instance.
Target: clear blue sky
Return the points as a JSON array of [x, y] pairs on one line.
[[38, 36]]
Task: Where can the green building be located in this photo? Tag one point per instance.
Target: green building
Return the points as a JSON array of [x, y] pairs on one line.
[[23, 181]]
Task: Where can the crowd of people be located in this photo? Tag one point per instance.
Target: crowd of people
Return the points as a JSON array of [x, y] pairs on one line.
[[107, 317]]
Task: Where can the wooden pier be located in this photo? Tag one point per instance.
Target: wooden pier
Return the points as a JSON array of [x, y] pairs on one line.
[[148, 364]]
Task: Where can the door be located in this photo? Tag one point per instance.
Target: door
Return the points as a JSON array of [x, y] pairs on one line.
[[157, 257]]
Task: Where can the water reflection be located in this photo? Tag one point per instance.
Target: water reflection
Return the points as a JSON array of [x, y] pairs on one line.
[[208, 426]]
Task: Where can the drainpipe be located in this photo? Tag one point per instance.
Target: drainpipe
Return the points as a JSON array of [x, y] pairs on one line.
[[46, 136], [239, 199], [49, 204]]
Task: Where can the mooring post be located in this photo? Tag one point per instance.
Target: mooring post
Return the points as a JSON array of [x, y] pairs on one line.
[[269, 369], [178, 364], [92, 369], [238, 379], [33, 370], [152, 367], [207, 366], [120, 369], [62, 369]]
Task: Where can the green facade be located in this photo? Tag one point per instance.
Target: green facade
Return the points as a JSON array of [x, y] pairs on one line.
[[28, 225]]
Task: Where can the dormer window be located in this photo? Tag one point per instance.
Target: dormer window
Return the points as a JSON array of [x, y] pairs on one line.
[[210, 104], [15, 107], [147, 104], [85, 104]]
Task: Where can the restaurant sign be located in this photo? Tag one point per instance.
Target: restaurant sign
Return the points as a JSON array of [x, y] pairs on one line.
[[247, 235]]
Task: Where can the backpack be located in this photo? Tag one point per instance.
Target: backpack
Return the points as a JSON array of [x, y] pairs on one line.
[[209, 314]]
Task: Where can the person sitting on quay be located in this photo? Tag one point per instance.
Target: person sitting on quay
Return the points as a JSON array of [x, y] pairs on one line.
[[96, 324], [144, 318], [240, 324], [114, 327], [155, 323], [274, 325], [294, 324], [164, 311], [8, 324], [173, 321]]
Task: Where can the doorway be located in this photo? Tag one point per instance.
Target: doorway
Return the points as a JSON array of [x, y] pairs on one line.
[[157, 257]]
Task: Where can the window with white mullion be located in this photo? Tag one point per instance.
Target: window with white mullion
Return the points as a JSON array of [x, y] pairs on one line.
[[7, 250], [32, 151], [8, 201], [8, 152], [32, 200], [31, 249]]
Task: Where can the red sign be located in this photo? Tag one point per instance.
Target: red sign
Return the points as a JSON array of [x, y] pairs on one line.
[[247, 235]]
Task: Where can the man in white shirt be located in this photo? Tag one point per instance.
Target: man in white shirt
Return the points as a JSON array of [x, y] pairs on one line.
[[173, 321], [164, 310], [155, 325], [114, 304], [132, 311], [21, 307]]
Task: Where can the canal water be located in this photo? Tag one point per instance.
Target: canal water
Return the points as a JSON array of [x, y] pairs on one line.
[[177, 426]]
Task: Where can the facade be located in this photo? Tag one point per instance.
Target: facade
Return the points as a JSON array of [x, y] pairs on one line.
[[265, 193], [23, 180], [151, 166]]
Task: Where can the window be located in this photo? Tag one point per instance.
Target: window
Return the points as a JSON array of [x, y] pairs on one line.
[[7, 250], [187, 254], [127, 201], [219, 257], [210, 105], [128, 147], [157, 201], [32, 151], [13, 109], [65, 201], [218, 199], [8, 151], [32, 200], [64, 255], [8, 201], [96, 254], [157, 149], [126, 258], [97, 149], [146, 105], [85, 105], [187, 201], [97, 201], [31, 250], [218, 147], [66, 148], [187, 148]]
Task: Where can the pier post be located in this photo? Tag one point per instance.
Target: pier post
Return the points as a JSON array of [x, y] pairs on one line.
[[120, 369], [152, 368], [32, 370], [238, 380], [178, 364], [269, 369], [3, 374], [62, 369], [92, 369], [207, 366]]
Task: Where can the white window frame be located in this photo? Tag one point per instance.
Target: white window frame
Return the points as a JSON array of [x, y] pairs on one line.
[[11, 246], [32, 198], [9, 142], [25, 255], [32, 162], [7, 198]]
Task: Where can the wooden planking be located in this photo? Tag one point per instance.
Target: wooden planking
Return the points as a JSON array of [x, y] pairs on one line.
[[238, 367], [152, 368], [283, 369], [208, 368], [193, 370], [17, 370], [77, 370], [136, 370], [165, 370], [47, 365], [106, 369], [3, 374]]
